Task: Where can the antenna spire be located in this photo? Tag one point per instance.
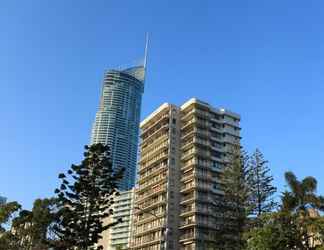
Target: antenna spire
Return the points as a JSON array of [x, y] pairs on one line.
[[146, 47]]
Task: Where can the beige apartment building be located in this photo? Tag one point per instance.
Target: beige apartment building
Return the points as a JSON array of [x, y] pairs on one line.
[[183, 151], [207, 137], [156, 210]]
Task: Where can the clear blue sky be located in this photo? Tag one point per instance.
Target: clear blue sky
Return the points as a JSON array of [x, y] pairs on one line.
[[262, 59]]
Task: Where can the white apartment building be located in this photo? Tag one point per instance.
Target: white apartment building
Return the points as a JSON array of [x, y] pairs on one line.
[[118, 236]]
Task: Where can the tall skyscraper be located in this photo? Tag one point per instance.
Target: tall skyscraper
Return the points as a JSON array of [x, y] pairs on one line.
[[183, 152], [117, 120]]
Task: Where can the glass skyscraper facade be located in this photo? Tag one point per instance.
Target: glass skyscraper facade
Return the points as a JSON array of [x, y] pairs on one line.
[[117, 120]]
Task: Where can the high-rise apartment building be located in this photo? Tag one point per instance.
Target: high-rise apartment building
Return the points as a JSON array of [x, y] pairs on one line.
[[157, 196], [183, 152], [118, 236], [117, 120], [207, 138]]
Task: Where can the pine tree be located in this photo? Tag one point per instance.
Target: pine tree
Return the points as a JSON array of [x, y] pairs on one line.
[[234, 205], [260, 181], [85, 199]]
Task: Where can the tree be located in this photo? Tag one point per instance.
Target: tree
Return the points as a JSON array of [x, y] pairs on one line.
[[302, 194], [284, 230], [7, 212], [85, 198], [8, 241], [33, 227], [260, 181], [303, 202], [297, 225], [279, 230], [28, 230], [235, 205]]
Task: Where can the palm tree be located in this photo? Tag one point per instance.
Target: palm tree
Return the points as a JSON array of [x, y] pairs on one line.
[[302, 195], [299, 204]]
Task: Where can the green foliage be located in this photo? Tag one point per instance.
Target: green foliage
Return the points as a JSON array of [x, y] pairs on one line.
[[84, 199], [297, 225], [7, 212], [235, 205], [283, 230], [279, 231], [302, 194], [120, 247], [29, 229], [260, 183]]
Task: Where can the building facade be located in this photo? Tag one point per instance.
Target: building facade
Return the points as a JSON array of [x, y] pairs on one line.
[[118, 236], [117, 120], [3, 200], [208, 135], [157, 197], [183, 151]]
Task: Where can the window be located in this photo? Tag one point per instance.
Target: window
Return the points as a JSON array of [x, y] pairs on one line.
[[216, 154]]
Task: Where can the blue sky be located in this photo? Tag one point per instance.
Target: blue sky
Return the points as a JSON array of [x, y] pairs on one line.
[[262, 59]]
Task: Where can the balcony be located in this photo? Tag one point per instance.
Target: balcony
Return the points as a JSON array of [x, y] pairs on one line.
[[150, 146], [187, 115], [187, 124], [204, 177], [150, 174], [187, 236], [149, 205], [187, 177], [194, 141], [156, 151], [217, 168], [187, 199], [156, 160], [152, 192], [188, 165], [146, 243], [187, 210], [152, 126], [187, 187], [216, 129], [187, 223], [194, 151], [201, 113], [201, 132], [232, 139], [138, 222], [155, 133], [231, 122], [148, 230], [161, 180]]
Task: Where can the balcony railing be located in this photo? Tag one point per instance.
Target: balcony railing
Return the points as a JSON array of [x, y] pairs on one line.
[[142, 187], [150, 146], [146, 139], [187, 198], [156, 159], [147, 156], [151, 126]]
